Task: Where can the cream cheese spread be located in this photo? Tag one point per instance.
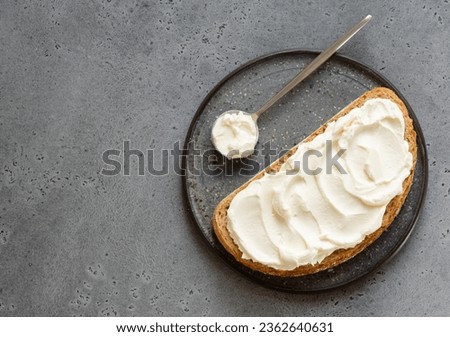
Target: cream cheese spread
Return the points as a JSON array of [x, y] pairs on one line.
[[235, 134], [295, 217]]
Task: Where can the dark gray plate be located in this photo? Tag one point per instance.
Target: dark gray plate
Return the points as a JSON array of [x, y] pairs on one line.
[[208, 177]]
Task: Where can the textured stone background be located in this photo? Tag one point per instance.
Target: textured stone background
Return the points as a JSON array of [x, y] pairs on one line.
[[78, 77]]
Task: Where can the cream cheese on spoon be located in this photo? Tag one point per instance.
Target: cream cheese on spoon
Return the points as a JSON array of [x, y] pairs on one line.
[[235, 134]]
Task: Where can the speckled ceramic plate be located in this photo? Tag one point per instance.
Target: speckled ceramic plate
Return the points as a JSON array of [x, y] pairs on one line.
[[209, 177]]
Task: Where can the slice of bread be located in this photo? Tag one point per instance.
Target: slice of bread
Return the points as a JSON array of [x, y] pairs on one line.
[[220, 219]]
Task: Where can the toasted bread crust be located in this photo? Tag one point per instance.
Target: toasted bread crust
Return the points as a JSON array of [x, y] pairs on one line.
[[219, 218]]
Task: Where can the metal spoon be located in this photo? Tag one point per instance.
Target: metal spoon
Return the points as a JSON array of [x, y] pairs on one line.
[[316, 63]]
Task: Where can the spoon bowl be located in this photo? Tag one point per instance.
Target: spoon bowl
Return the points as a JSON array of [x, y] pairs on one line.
[[235, 134]]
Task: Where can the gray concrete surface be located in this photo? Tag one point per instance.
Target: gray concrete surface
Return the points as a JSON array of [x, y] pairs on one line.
[[78, 77]]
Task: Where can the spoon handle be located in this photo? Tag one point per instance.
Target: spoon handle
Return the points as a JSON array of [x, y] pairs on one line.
[[316, 63]]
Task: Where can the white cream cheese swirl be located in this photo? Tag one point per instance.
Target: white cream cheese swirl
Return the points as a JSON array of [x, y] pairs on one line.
[[235, 134], [292, 218]]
